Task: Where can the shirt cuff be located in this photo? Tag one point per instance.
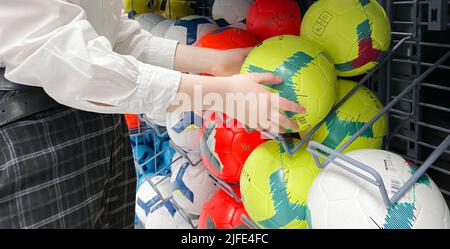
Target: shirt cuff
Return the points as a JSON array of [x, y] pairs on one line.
[[157, 90], [161, 52]]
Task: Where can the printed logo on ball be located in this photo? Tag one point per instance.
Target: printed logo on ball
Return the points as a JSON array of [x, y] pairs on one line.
[[322, 22]]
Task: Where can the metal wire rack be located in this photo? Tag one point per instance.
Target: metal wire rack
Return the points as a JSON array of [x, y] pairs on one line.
[[412, 81]]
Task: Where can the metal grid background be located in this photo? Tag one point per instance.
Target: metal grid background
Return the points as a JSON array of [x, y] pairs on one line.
[[421, 120]]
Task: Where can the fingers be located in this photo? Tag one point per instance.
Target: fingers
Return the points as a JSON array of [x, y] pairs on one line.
[[285, 122], [287, 105], [271, 127], [266, 78], [282, 121], [246, 51]]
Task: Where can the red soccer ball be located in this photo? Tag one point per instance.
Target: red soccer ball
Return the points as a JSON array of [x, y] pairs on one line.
[[269, 18], [222, 212], [132, 121], [227, 38], [225, 145]]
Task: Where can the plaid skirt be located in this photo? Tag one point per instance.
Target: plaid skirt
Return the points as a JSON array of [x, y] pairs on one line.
[[66, 168]]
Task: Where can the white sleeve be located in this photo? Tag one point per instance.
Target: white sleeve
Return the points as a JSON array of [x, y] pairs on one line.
[[50, 43], [137, 42]]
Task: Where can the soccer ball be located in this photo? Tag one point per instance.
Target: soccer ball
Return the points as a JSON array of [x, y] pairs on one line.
[[269, 18], [351, 117], [189, 29], [165, 159], [308, 73], [147, 198], [167, 216], [275, 186], [135, 8], [225, 146], [149, 20], [340, 199], [355, 33], [132, 121], [144, 158], [223, 212], [161, 28], [175, 9], [191, 185], [227, 38], [228, 12], [184, 129]]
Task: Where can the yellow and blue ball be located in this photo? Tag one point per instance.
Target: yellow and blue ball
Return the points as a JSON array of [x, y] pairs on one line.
[[356, 112], [356, 33], [308, 74], [275, 185]]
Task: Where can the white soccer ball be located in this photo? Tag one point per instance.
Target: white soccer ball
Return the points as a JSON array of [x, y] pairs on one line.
[[229, 12], [161, 28], [184, 129], [189, 29], [149, 20], [147, 198], [339, 199], [166, 216], [191, 185]]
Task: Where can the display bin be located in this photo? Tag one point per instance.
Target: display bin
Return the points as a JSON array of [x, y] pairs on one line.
[[413, 82]]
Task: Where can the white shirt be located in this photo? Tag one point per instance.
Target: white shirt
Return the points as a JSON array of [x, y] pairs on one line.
[[84, 51]]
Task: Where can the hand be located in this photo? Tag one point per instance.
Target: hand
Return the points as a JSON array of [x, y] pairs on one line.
[[203, 60], [263, 112], [253, 104], [229, 62]]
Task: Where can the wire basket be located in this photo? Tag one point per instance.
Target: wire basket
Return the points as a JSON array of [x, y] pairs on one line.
[[408, 40]]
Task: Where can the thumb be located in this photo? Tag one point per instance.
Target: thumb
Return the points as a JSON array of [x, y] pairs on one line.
[[266, 78]]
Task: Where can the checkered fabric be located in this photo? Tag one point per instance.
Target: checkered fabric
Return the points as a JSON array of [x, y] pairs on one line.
[[65, 168]]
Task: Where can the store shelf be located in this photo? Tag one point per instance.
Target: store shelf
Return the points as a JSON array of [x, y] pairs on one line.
[[413, 82]]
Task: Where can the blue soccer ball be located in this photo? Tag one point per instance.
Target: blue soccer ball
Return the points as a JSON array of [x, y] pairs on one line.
[[188, 30], [144, 159]]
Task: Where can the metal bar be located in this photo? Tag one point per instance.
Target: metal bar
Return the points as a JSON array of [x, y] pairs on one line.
[[428, 44], [422, 104], [445, 192], [411, 23], [410, 2], [434, 127], [394, 102], [319, 150], [248, 222], [421, 170], [314, 148], [424, 84], [435, 86], [154, 126], [430, 146], [432, 167], [421, 63]]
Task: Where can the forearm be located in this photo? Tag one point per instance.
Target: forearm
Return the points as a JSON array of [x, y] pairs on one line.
[[196, 60], [193, 88]]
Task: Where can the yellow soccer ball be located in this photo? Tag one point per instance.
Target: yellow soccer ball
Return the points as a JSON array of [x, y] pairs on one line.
[[135, 8], [175, 9], [351, 117], [308, 74], [355, 33], [275, 186]]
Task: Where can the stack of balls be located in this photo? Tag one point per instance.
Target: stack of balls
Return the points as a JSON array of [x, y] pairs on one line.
[[314, 54]]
